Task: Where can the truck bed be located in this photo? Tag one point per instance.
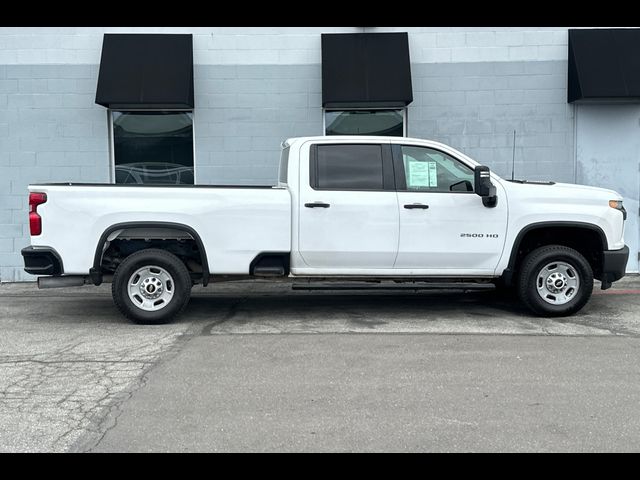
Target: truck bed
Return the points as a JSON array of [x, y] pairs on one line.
[[235, 223]]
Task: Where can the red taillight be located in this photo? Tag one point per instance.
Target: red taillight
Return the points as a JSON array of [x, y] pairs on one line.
[[35, 221]]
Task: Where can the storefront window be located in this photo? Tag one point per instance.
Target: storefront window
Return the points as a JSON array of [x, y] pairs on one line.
[[365, 122], [153, 147]]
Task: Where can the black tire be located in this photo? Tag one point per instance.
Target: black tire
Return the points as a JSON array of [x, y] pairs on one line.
[[179, 284], [534, 264]]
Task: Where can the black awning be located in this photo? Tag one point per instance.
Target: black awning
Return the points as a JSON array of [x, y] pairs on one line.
[[604, 64], [366, 70], [146, 71]]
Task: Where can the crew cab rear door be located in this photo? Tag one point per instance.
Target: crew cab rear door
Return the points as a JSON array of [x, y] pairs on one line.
[[348, 210], [444, 226]]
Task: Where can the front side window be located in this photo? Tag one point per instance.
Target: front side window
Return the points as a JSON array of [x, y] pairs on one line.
[[348, 167], [364, 122], [153, 147], [429, 170]]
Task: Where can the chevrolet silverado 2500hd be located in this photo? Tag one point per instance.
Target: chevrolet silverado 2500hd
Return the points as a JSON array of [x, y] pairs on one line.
[[345, 209]]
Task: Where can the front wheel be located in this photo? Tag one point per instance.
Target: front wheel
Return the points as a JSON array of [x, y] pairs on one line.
[[555, 281], [151, 286]]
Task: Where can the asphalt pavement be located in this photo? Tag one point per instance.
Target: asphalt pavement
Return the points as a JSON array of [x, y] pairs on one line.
[[258, 367]]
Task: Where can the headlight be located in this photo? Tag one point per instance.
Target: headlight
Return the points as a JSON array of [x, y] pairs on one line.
[[617, 204]]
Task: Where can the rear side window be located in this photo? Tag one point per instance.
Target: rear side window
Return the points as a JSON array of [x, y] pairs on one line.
[[284, 165], [348, 167]]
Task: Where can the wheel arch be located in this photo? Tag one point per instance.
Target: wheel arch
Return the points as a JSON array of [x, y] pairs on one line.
[[553, 230], [96, 273]]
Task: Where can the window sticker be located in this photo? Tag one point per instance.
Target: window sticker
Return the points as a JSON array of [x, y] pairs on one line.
[[422, 174], [433, 174]]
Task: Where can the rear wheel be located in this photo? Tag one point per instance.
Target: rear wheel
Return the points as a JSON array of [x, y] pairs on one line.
[[151, 286], [555, 281]]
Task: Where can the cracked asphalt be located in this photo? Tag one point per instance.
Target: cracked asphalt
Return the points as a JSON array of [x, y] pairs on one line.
[[258, 367], [66, 358]]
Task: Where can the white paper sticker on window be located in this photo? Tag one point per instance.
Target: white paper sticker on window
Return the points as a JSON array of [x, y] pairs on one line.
[[422, 174]]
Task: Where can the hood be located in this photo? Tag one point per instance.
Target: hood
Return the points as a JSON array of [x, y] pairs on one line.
[[569, 189], [590, 190]]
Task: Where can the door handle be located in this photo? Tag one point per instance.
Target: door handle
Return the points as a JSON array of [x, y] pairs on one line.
[[317, 205], [412, 206]]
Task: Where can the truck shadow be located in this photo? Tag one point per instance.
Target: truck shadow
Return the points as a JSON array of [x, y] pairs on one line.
[[358, 309]]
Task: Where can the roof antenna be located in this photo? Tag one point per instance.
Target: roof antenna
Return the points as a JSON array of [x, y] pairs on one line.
[[513, 159]]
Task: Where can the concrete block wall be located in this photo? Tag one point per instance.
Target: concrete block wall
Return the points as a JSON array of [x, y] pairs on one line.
[[256, 86], [476, 106], [243, 114]]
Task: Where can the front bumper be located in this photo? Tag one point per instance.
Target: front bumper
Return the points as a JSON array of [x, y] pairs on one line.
[[614, 265], [42, 261]]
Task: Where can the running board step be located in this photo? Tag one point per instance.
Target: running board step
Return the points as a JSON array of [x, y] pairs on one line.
[[276, 271], [61, 281], [403, 286]]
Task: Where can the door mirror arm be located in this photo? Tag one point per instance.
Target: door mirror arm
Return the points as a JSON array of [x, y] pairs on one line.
[[491, 200]]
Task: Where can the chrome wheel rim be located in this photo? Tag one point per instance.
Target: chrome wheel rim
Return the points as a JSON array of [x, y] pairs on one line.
[[151, 288], [558, 283]]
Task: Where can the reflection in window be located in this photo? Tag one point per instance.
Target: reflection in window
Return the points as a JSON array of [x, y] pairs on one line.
[[153, 147], [349, 167], [284, 165], [365, 122]]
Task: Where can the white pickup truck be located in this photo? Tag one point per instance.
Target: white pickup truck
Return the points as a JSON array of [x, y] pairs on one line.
[[347, 212]]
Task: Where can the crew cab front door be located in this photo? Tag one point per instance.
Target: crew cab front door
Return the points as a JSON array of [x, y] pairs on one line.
[[444, 226], [348, 209]]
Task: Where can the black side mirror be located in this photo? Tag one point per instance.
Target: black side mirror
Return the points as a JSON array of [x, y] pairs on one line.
[[482, 177], [484, 187]]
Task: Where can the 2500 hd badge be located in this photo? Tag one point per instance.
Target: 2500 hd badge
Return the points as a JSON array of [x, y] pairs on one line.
[[479, 235]]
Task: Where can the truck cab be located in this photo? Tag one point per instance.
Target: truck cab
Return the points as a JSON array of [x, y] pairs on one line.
[[380, 207]]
